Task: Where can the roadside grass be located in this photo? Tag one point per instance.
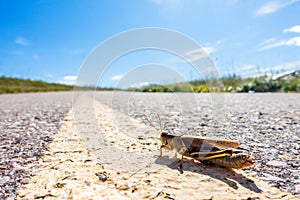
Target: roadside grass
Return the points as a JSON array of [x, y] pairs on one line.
[[14, 85]]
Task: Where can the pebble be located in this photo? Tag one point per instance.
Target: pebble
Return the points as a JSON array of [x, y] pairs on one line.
[[88, 182], [102, 176], [253, 174], [25, 180], [273, 151], [122, 186], [4, 179], [275, 163], [270, 177], [60, 185], [297, 189]]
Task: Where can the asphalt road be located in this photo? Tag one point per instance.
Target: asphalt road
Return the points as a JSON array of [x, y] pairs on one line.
[[268, 125]]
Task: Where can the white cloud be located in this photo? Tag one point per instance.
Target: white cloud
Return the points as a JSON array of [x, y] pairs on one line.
[[218, 42], [208, 50], [273, 6], [203, 52], [272, 43], [68, 80], [248, 67], [247, 70], [275, 42], [198, 54], [285, 66], [290, 66], [268, 41], [116, 77], [140, 84], [295, 41], [294, 29], [22, 41], [211, 47]]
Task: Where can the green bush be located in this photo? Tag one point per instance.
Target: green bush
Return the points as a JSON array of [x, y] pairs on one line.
[[265, 84]]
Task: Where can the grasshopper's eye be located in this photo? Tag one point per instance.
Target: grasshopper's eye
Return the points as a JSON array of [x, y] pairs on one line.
[[164, 133], [244, 157]]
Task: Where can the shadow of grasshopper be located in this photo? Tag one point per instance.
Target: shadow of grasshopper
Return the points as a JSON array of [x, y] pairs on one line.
[[228, 176]]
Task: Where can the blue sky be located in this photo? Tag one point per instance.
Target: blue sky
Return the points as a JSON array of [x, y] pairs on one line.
[[49, 40]]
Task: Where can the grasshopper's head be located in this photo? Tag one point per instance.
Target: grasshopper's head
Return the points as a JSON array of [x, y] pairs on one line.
[[167, 139], [164, 137]]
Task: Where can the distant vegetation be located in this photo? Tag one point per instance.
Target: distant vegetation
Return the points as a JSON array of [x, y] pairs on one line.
[[286, 83], [231, 84], [14, 85]]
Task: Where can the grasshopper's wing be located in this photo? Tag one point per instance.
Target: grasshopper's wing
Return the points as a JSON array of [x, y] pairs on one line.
[[221, 143], [201, 148], [194, 144], [206, 143]]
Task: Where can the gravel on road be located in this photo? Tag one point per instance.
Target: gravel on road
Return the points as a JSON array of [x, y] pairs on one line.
[[268, 125], [28, 123]]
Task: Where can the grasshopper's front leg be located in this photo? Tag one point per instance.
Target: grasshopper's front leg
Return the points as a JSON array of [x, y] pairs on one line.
[[163, 146], [160, 150]]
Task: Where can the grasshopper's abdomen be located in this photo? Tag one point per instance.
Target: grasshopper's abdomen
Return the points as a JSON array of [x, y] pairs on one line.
[[236, 161]]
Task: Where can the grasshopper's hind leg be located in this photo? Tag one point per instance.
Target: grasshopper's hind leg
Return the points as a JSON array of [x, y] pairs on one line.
[[180, 165], [182, 151]]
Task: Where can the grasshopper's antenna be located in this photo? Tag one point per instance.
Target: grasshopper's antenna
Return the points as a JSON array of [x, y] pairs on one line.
[[150, 122], [159, 122]]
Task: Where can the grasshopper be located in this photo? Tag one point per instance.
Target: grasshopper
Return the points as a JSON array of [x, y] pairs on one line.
[[217, 151]]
